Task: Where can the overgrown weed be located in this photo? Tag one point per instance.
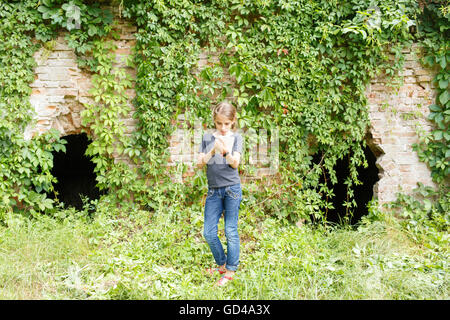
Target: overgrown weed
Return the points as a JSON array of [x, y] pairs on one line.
[[143, 255]]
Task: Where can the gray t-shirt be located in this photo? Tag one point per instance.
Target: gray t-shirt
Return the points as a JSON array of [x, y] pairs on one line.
[[218, 172]]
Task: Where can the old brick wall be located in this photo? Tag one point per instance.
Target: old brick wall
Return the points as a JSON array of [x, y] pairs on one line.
[[396, 114], [60, 89]]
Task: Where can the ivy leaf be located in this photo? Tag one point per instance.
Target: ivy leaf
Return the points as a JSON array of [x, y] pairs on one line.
[[72, 11], [443, 97], [443, 84], [43, 9], [45, 204], [435, 108], [438, 134], [92, 30], [60, 147], [446, 136], [439, 119], [427, 205], [429, 60], [443, 62]]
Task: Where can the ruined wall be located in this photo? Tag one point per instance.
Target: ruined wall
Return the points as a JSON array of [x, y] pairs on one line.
[[396, 114], [60, 89]]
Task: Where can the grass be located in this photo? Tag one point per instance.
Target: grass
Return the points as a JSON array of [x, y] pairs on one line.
[[143, 255], [33, 254]]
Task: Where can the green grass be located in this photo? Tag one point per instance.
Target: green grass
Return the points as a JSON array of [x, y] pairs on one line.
[[142, 255]]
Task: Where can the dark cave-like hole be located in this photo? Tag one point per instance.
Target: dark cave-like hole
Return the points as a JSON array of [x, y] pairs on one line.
[[363, 193], [75, 173]]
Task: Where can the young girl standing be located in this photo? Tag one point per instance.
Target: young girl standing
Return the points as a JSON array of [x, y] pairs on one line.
[[221, 152]]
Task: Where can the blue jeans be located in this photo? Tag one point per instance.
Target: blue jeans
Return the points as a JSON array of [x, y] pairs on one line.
[[219, 199]]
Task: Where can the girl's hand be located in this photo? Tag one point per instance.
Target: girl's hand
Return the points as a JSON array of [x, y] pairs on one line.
[[224, 145], [218, 146]]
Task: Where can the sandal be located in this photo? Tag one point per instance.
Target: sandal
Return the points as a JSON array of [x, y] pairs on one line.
[[211, 271], [223, 281]]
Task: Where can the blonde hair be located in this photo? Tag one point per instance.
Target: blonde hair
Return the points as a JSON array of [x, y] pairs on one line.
[[227, 110]]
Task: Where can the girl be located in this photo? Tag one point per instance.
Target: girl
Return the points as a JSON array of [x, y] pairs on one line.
[[221, 151]]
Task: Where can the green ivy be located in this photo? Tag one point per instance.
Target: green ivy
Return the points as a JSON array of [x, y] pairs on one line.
[[110, 102], [434, 33], [300, 67], [84, 21], [427, 211], [91, 31], [24, 164]]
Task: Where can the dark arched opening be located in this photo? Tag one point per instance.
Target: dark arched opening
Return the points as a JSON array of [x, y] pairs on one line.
[[75, 173], [363, 193]]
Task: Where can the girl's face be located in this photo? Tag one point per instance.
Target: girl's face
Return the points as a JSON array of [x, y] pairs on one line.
[[223, 124]]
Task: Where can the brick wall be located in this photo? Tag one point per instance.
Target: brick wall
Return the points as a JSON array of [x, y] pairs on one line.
[[396, 113], [60, 89]]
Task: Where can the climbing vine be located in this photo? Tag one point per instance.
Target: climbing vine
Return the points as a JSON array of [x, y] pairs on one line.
[[434, 32], [24, 164], [428, 208], [91, 33], [299, 67]]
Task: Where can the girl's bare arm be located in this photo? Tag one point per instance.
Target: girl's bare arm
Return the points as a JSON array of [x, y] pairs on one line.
[[203, 158], [233, 160]]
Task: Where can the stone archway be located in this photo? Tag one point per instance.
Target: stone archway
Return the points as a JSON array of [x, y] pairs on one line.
[[61, 89], [59, 92]]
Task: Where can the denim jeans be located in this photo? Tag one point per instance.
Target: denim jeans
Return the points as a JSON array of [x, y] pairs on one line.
[[221, 199]]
